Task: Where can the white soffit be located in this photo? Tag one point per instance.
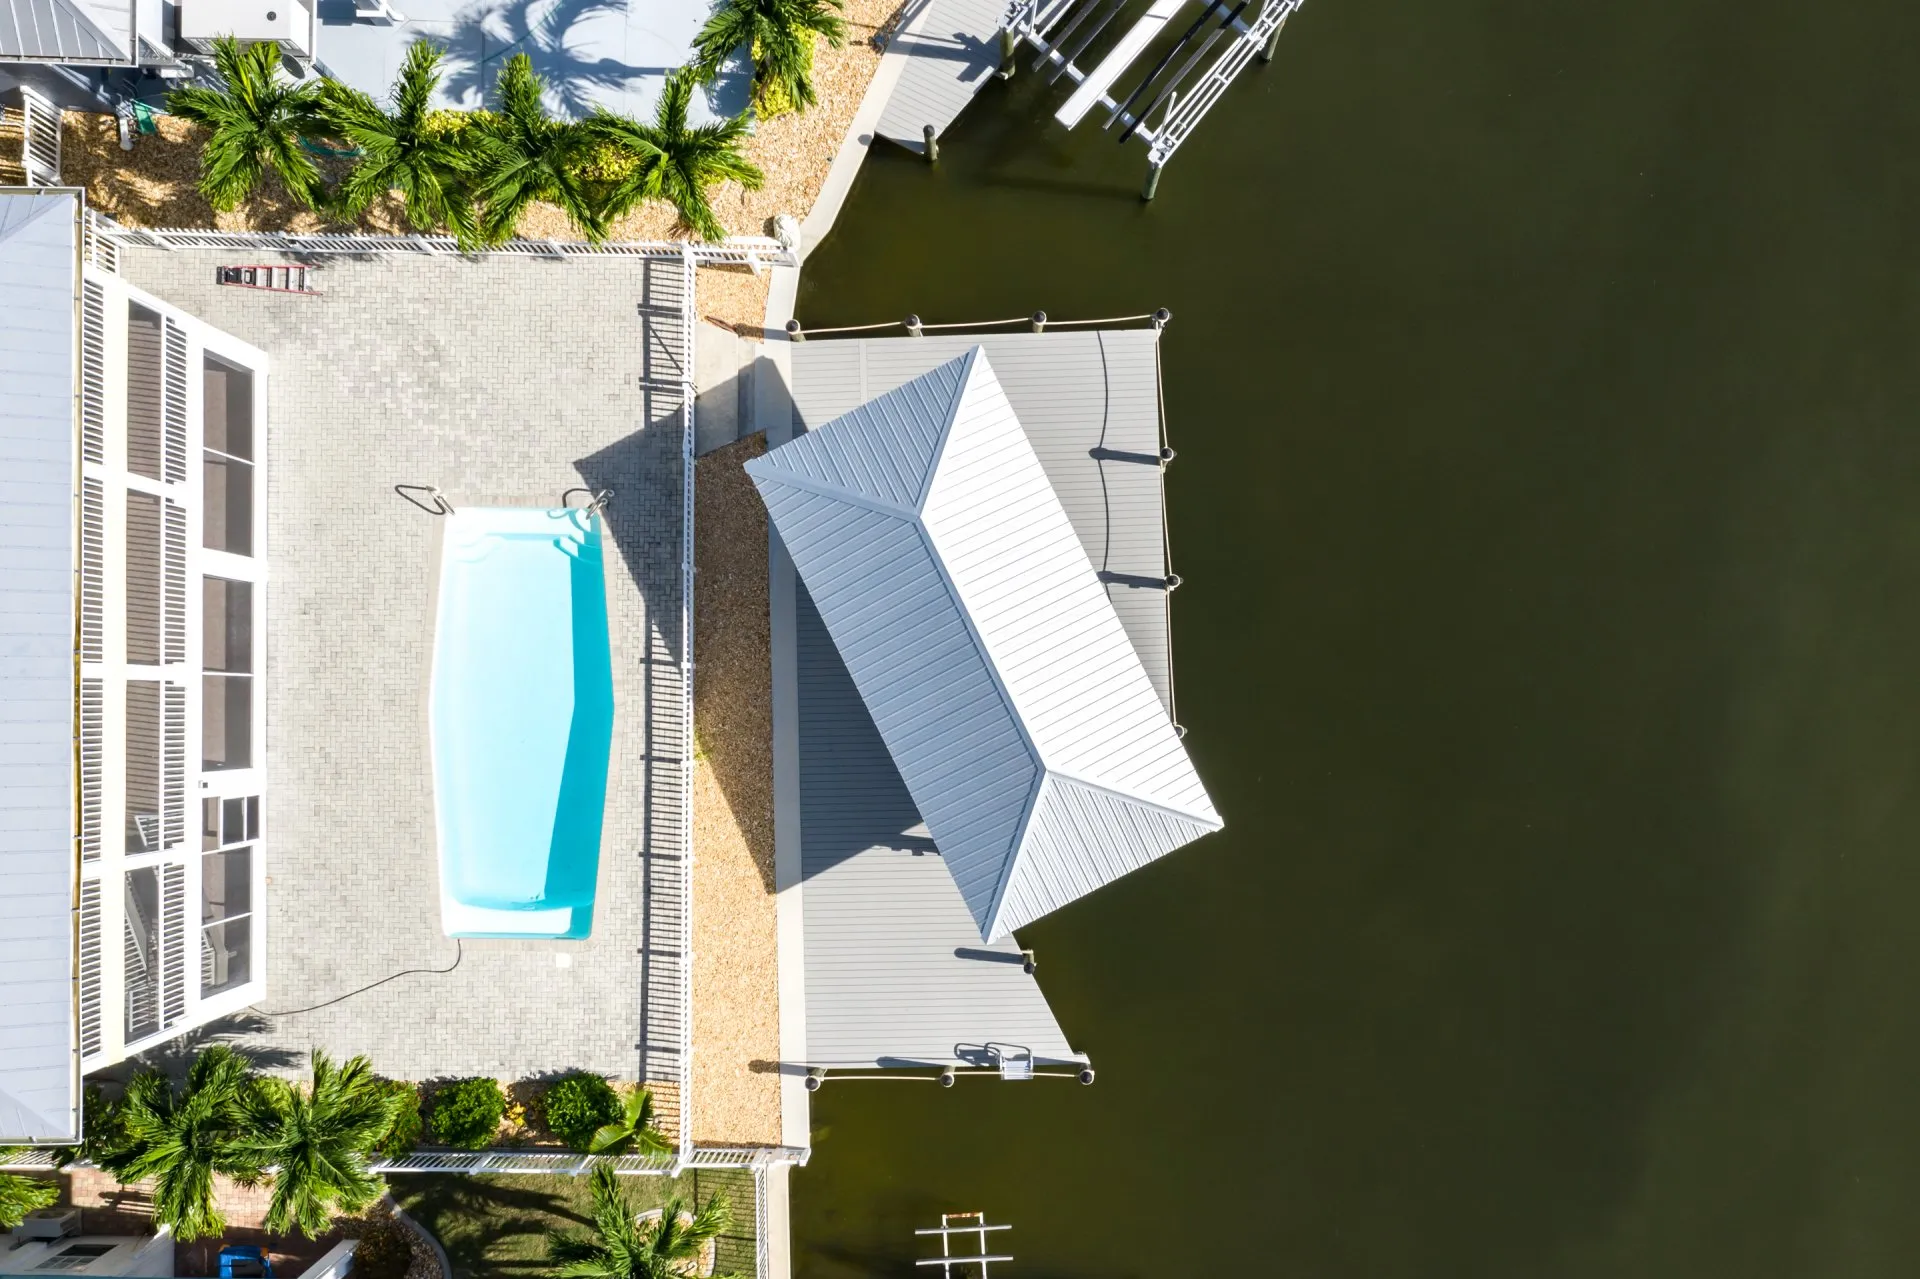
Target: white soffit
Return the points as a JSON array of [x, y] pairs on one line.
[[983, 645]]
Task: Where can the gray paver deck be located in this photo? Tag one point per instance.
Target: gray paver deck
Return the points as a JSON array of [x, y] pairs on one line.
[[505, 381]]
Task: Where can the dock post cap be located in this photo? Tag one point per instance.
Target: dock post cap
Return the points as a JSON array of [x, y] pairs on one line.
[[1160, 317], [913, 325], [927, 135], [1167, 455], [947, 1076], [794, 332], [1086, 1075], [1028, 964], [816, 1077], [1039, 321], [1173, 581]]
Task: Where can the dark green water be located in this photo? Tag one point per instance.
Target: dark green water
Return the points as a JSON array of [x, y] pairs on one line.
[[1544, 379]]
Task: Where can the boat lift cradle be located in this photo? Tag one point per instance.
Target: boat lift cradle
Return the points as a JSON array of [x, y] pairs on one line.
[[1055, 29]]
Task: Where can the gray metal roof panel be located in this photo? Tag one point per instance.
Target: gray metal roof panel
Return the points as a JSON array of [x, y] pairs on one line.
[[39, 267], [982, 642], [1089, 401], [65, 31]]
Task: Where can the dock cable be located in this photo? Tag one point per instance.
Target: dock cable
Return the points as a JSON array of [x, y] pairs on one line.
[[459, 953]]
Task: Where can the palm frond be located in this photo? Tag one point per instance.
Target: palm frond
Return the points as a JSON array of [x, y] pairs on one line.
[[255, 121]]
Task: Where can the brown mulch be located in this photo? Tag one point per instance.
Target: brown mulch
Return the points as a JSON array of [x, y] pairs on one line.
[[736, 1007]]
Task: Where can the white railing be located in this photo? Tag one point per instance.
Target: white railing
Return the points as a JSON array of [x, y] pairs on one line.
[[527, 1162], [756, 252], [687, 322], [762, 1246], [570, 1164], [39, 139], [1187, 113]]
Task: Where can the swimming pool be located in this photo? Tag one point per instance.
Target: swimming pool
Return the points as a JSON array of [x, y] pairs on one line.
[[522, 721]]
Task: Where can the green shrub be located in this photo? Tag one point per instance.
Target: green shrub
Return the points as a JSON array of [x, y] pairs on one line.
[[383, 1251], [578, 1106], [404, 1135], [466, 1114]]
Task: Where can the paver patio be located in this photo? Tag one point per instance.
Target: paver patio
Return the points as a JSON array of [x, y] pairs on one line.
[[503, 381]]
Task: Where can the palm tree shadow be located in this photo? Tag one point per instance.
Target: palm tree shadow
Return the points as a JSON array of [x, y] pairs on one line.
[[578, 76]]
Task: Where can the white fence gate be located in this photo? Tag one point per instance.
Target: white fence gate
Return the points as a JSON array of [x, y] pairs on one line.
[[39, 139]]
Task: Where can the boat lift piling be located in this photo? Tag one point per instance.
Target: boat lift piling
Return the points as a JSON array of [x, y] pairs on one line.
[[1054, 29]]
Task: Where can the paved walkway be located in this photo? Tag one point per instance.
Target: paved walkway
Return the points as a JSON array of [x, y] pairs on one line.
[[503, 381]]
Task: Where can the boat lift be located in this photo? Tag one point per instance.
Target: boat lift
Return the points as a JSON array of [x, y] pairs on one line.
[[1162, 109], [962, 1223]]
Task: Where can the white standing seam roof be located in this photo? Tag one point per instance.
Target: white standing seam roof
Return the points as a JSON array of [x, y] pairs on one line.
[[980, 639], [66, 30], [39, 269]]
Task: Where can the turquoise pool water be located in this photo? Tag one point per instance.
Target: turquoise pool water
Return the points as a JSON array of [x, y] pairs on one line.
[[522, 721]]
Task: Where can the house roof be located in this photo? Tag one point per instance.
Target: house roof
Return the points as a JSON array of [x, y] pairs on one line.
[[66, 31], [39, 266], [995, 668]]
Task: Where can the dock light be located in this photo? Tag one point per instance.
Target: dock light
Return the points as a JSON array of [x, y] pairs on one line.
[[815, 1078], [947, 1077], [1028, 963], [913, 326], [794, 332], [1160, 317], [1086, 1075]]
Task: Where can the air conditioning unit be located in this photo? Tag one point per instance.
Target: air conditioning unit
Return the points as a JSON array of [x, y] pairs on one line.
[[249, 21], [49, 1223]]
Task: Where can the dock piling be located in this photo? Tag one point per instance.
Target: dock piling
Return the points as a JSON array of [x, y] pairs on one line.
[[913, 326], [1153, 182], [1009, 45], [933, 144], [794, 332], [1039, 321]]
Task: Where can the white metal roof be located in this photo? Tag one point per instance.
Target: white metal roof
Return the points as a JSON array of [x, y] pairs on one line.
[[981, 641], [39, 270], [66, 30]]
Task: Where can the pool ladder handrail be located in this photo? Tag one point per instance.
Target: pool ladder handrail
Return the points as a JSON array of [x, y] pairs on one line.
[[440, 504], [596, 504]]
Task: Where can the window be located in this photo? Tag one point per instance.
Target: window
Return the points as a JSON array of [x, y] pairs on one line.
[[144, 833], [226, 686], [227, 827], [142, 952], [76, 1256], [227, 414]]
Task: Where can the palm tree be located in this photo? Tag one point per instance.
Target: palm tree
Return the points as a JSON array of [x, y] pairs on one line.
[[620, 1247], [256, 118], [180, 1139], [316, 1140], [779, 36], [527, 155], [634, 1126], [676, 162], [399, 151], [22, 1195]]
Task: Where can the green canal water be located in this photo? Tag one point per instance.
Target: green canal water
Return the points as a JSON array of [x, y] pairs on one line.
[[1546, 384]]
